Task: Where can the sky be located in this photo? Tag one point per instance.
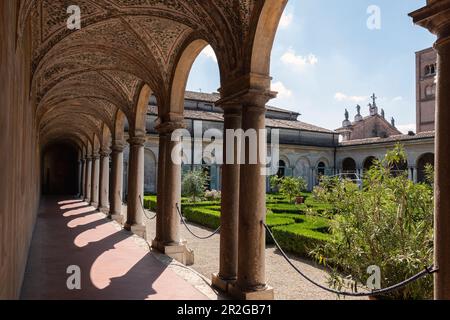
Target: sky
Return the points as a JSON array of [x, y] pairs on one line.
[[326, 59]]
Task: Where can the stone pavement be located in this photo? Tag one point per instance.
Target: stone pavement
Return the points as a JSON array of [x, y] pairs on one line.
[[114, 264]]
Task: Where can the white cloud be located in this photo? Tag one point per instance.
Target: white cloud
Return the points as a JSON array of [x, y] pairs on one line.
[[396, 99], [208, 52], [283, 92], [292, 59], [405, 128], [286, 20], [342, 97]]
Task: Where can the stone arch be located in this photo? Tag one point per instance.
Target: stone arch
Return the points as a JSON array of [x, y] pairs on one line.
[[422, 162], [348, 165], [150, 169], [264, 37], [138, 126], [181, 74], [119, 126], [369, 162]]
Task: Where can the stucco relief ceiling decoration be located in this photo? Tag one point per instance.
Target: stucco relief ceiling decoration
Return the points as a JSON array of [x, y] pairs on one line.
[[122, 45]]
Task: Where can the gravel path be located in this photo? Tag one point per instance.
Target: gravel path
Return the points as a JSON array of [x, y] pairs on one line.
[[287, 282]]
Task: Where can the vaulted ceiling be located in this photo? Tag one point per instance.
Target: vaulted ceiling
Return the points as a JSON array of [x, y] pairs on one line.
[[81, 78]]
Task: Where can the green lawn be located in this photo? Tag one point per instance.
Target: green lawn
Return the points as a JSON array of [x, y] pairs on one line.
[[297, 228]]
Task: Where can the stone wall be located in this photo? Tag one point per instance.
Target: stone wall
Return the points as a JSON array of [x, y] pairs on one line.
[[19, 156]]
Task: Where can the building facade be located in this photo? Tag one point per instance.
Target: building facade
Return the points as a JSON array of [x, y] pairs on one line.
[[305, 150], [426, 71]]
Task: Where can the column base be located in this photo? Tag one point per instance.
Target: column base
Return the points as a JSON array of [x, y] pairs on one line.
[[222, 284], [104, 210], [179, 252], [87, 200], [248, 295], [94, 204], [120, 219], [137, 229]]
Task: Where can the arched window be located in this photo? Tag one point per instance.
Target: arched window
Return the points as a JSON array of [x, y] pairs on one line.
[[427, 70], [321, 169], [429, 91], [368, 163], [349, 166], [432, 69], [424, 160], [281, 169]]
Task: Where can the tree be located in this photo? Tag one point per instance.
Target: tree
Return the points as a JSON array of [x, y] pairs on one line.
[[389, 224], [194, 184], [289, 187]]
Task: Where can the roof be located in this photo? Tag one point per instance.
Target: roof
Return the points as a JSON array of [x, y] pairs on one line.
[[397, 138], [214, 97], [272, 123]]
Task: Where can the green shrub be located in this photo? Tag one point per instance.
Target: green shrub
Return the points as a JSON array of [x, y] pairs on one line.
[[388, 224], [193, 184], [299, 240]]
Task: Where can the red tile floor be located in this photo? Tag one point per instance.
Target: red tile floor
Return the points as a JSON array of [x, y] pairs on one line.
[[113, 266]]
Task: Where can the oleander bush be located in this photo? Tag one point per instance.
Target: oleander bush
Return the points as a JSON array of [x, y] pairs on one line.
[[389, 223]]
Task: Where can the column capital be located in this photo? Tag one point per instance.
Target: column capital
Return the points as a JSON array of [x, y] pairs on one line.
[[435, 17], [169, 127], [88, 158], [137, 141], [95, 156], [118, 147], [105, 153]]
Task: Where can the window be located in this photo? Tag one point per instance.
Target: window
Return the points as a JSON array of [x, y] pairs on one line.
[[427, 70]]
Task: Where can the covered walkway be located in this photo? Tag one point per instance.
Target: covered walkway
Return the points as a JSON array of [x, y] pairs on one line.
[[113, 264]]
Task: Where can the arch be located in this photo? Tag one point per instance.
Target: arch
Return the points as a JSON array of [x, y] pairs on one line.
[[266, 29], [138, 127], [369, 162], [349, 165], [321, 168], [281, 169], [119, 126], [422, 162], [399, 168], [181, 74], [106, 138]]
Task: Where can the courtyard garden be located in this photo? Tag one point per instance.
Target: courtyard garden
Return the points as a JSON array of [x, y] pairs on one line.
[[388, 223]]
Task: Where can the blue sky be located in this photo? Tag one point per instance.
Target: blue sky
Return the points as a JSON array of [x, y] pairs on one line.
[[326, 59]]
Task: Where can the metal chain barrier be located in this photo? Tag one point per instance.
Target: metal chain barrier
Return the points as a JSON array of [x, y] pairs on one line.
[[183, 219], [426, 272], [145, 211]]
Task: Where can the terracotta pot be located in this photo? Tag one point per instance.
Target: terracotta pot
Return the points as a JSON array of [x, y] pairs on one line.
[[299, 200]]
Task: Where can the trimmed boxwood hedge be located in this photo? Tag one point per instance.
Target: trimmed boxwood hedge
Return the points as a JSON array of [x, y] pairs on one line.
[[296, 239], [296, 232]]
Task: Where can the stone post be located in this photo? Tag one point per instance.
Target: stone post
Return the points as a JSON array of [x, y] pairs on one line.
[[88, 180], [104, 181], [229, 218], [135, 199], [251, 275], [83, 179], [163, 140], [95, 180], [169, 241], [436, 18], [116, 193]]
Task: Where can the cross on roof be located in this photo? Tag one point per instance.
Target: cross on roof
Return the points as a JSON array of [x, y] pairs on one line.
[[374, 99]]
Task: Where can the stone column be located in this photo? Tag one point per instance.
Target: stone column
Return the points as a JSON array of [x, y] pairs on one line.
[[135, 199], [163, 140], [95, 180], [442, 183], [169, 241], [251, 276], [83, 179], [117, 183], [436, 18], [80, 178], [230, 200], [415, 175], [88, 180], [104, 182]]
